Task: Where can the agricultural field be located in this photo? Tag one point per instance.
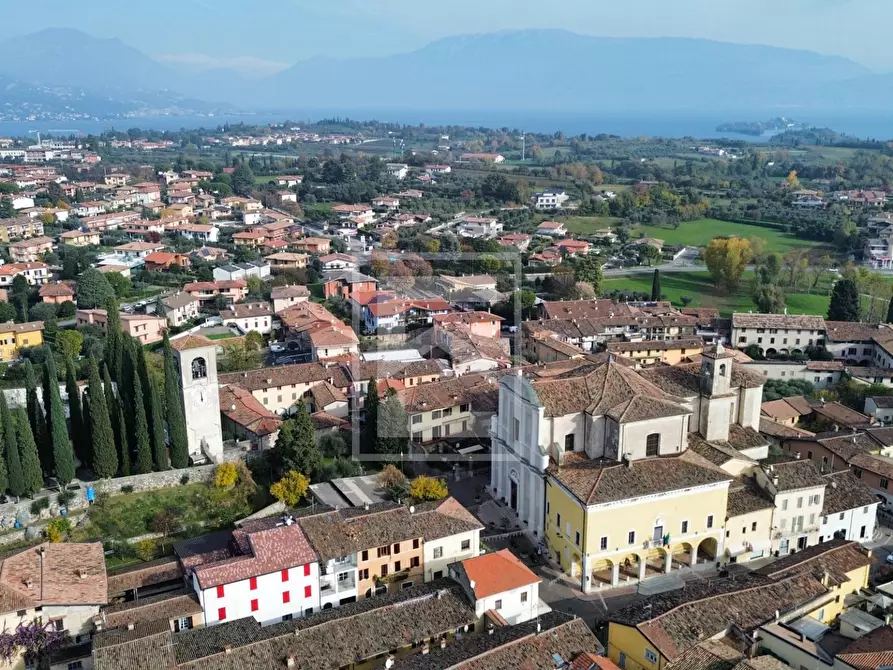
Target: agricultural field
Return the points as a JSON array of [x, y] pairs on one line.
[[586, 225], [700, 233], [699, 286]]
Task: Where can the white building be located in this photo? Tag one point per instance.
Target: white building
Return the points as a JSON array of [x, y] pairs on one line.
[[480, 227], [881, 408], [36, 273], [850, 509], [248, 316], [777, 333], [178, 308], [549, 199], [267, 571], [242, 271], [397, 170], [797, 489], [500, 583], [820, 374]]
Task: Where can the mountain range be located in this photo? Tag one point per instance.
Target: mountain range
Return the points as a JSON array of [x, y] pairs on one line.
[[531, 70]]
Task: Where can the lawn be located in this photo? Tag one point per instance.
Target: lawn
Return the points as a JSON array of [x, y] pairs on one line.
[[700, 233], [699, 286], [586, 225]]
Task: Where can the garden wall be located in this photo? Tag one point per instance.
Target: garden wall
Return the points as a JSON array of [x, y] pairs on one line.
[[202, 474]]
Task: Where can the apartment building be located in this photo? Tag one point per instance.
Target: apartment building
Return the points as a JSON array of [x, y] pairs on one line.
[[145, 328], [256, 316], [36, 273], [777, 333], [207, 291], [179, 308], [17, 336], [797, 489], [287, 296], [80, 238], [30, 250]]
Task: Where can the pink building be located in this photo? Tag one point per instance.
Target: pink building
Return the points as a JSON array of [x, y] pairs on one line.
[[144, 328]]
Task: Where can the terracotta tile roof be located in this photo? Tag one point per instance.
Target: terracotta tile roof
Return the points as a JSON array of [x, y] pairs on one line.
[[875, 650], [594, 481], [144, 574], [778, 430], [846, 331], [257, 548], [287, 375], [800, 404], [795, 474], [881, 465], [841, 414], [684, 379], [191, 342], [242, 408], [834, 556], [679, 620], [166, 606], [720, 452], [497, 572], [296, 291], [779, 321], [780, 410], [10, 327], [656, 345], [708, 655], [54, 574], [29, 243], [201, 286], [333, 335], [845, 492], [246, 310], [324, 420], [746, 498], [450, 392], [324, 394]]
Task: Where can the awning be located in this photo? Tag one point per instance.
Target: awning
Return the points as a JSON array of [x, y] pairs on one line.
[[737, 549]]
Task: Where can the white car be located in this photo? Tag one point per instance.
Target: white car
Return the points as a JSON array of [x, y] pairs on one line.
[[890, 559], [277, 348]]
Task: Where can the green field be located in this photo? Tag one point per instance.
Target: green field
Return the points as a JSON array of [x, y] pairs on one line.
[[584, 225], [699, 286], [700, 233]]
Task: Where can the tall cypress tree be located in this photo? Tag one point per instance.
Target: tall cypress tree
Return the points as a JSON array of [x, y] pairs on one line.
[[113, 339], [890, 312], [370, 426], [655, 286], [173, 410], [37, 419], [116, 414], [28, 453], [105, 454], [76, 414], [63, 453], [85, 427], [135, 407], [11, 444], [156, 425], [845, 301]]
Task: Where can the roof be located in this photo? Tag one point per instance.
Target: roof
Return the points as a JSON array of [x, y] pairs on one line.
[[708, 655], [215, 285], [834, 556], [497, 572], [532, 645], [246, 310], [679, 620], [58, 289], [295, 291], [242, 408], [144, 574], [258, 548], [848, 331], [596, 481], [779, 321], [166, 606], [873, 651], [778, 430], [846, 492], [54, 574], [191, 342], [656, 345], [780, 410], [287, 375], [684, 380], [32, 242], [794, 475], [178, 300], [746, 498]]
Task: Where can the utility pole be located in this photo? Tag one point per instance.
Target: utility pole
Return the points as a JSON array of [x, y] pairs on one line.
[[523, 146]]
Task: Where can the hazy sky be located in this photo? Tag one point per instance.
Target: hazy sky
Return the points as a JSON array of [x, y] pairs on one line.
[[263, 35]]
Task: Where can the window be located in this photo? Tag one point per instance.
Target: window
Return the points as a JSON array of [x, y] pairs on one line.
[[884, 482], [435, 414], [285, 573], [416, 418], [498, 605], [365, 555], [466, 545], [684, 528], [306, 570], [517, 429], [396, 566], [435, 432], [650, 656], [286, 597], [463, 408], [417, 437], [800, 502], [558, 520], [753, 526], [252, 584], [710, 521], [384, 551], [199, 369], [603, 543], [415, 543], [75, 665], [438, 552], [308, 591], [384, 570], [221, 614], [569, 442], [448, 411], [438, 574], [364, 573], [862, 532], [288, 617], [524, 597], [652, 444], [397, 548], [220, 591], [414, 562], [784, 505], [577, 538], [631, 537], [254, 605], [841, 516]]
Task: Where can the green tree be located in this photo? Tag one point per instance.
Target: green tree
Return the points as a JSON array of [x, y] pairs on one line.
[[844, 301], [393, 426], [93, 289], [11, 446], [69, 343], [63, 454], [588, 269], [135, 409], [295, 447], [650, 254], [29, 457], [114, 340], [890, 312], [769, 298], [116, 414], [156, 425], [75, 414], [176, 423], [121, 285], [369, 436], [104, 452], [37, 419], [243, 180], [655, 286], [253, 341]]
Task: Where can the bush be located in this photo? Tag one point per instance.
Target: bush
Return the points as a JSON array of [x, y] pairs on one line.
[[127, 488], [184, 480], [66, 497], [428, 488], [57, 530], [291, 488], [225, 476], [145, 549], [39, 505], [390, 476]]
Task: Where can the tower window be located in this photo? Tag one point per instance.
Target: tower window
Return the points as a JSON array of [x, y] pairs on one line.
[[722, 370], [652, 444], [199, 369]]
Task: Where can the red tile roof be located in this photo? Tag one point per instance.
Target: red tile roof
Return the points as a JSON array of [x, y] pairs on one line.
[[497, 573]]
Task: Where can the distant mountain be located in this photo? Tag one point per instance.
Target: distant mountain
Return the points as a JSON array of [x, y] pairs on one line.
[[563, 71]]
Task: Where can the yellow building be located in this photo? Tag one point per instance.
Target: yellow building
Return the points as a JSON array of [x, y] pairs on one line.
[[651, 637], [651, 352], [748, 523], [610, 523], [17, 336]]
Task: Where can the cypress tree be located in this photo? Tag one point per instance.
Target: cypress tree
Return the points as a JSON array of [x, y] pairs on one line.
[[116, 414], [11, 444], [845, 302], [28, 453], [105, 455], [85, 426], [176, 423], [890, 312], [63, 454], [37, 419], [156, 432], [76, 414], [113, 339], [370, 428], [655, 286], [136, 410]]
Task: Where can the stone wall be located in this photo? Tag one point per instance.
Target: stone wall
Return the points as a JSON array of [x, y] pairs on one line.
[[203, 474]]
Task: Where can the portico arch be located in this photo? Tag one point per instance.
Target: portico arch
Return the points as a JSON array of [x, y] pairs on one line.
[[708, 550], [685, 553]]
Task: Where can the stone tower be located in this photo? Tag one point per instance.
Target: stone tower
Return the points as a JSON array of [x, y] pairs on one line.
[[196, 358], [717, 400]]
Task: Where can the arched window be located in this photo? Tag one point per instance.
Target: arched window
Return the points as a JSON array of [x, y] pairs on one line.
[[652, 444], [722, 370], [199, 369]]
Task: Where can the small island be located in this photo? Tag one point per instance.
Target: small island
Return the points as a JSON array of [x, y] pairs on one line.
[[757, 128]]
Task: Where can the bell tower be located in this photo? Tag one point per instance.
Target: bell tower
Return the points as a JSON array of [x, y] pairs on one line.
[[196, 359], [717, 400], [716, 371]]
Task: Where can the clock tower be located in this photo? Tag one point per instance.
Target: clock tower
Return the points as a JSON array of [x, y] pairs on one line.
[[196, 358]]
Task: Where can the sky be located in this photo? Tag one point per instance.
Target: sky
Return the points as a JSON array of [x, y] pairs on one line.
[[262, 36]]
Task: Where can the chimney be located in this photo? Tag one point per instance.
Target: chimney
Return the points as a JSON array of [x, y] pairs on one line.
[[130, 626], [29, 583], [82, 574], [775, 481], [227, 649], [290, 662]]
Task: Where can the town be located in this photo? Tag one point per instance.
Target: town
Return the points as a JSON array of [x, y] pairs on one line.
[[360, 395]]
